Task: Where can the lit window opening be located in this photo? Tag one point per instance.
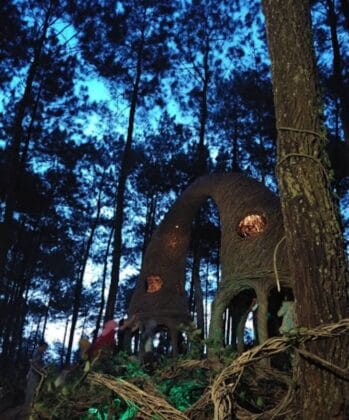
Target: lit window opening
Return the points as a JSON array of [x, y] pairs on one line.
[[153, 283], [252, 225]]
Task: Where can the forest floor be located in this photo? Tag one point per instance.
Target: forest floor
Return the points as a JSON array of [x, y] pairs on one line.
[[258, 384], [119, 387]]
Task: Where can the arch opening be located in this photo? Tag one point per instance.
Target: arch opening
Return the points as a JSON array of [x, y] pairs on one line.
[[240, 321], [203, 268], [276, 301]]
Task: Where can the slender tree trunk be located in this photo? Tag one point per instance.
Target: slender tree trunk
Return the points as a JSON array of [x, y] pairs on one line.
[[14, 162], [191, 292], [64, 339], [79, 282], [313, 234], [149, 222], [104, 277], [218, 268], [200, 170], [345, 10], [341, 90], [23, 319], [10, 285], [198, 295], [18, 306], [22, 306], [235, 160], [120, 195], [206, 300], [263, 154], [228, 327], [15, 310], [240, 332], [202, 164], [29, 133], [37, 331], [201, 167], [46, 319]]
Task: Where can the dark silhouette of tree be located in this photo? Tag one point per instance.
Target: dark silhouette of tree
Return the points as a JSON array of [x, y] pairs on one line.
[[203, 29], [82, 268], [48, 79], [341, 89], [244, 113], [14, 152], [133, 52], [14, 42], [344, 4]]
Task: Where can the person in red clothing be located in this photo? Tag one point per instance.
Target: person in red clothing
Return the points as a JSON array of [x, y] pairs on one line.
[[105, 341]]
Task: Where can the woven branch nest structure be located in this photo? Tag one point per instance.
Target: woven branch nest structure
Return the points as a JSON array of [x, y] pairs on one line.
[[220, 401], [247, 262]]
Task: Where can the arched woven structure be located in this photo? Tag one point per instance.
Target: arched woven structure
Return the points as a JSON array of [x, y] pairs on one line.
[[246, 262]]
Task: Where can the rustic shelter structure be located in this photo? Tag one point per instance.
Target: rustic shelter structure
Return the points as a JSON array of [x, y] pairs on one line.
[[251, 230]]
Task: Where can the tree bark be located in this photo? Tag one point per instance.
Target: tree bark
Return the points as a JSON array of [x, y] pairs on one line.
[[339, 84], [64, 338], [104, 277], [202, 164], [149, 222], [313, 234], [198, 296], [79, 282], [235, 167], [120, 195], [15, 161], [345, 10]]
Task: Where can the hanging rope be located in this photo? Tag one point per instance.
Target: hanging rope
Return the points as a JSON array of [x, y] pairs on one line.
[[303, 155], [274, 263], [301, 130]]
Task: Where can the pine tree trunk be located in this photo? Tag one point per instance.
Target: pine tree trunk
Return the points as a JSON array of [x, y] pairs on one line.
[[104, 277], [149, 222], [15, 160], [46, 319], [24, 313], [206, 300], [340, 88], [313, 234], [345, 10], [14, 313], [63, 343], [235, 167], [36, 336], [120, 195], [198, 296], [201, 162], [82, 269]]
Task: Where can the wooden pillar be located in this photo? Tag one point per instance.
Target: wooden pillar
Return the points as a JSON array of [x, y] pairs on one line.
[[174, 341], [262, 299], [240, 333]]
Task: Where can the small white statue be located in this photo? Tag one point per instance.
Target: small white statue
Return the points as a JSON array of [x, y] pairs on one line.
[[287, 311]]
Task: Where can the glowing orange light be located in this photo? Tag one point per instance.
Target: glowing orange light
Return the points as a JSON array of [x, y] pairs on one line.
[[154, 283], [252, 225]]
